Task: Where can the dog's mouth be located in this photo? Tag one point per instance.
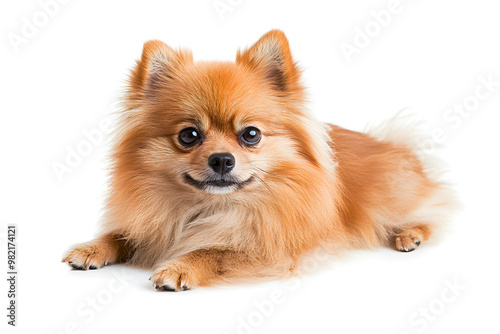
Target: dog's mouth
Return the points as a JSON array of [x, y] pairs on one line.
[[218, 187]]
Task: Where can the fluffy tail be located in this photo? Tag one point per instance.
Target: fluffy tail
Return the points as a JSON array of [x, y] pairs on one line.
[[406, 129]]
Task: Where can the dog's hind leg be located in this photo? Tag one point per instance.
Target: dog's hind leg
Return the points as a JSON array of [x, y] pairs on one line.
[[409, 239]]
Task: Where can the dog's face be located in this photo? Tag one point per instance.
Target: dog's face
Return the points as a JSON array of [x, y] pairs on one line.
[[212, 132], [216, 127]]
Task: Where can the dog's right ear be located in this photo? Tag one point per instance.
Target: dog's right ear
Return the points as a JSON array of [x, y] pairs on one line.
[[271, 56], [156, 68]]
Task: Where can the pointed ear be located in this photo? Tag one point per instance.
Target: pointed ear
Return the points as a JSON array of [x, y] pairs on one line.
[[271, 56], [157, 66]]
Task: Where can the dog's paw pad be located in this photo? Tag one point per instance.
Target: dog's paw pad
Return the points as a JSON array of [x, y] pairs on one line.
[[75, 266]]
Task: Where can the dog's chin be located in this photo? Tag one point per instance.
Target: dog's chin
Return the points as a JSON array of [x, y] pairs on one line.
[[217, 187], [220, 190]]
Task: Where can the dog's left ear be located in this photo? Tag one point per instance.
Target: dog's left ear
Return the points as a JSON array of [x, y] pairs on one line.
[[271, 56], [159, 63]]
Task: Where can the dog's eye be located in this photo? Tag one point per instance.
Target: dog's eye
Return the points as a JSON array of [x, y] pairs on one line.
[[250, 136], [189, 137]]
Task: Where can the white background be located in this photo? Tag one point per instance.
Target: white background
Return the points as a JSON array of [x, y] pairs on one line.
[[63, 80]]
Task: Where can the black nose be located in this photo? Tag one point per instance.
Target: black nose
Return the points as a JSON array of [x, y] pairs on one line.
[[221, 163]]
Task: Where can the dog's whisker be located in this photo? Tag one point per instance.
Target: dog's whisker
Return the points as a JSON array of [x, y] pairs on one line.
[[266, 185], [269, 173]]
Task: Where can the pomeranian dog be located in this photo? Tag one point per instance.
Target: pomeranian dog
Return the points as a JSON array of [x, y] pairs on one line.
[[220, 174]]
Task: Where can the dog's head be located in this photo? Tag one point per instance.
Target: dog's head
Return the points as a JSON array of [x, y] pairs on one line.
[[219, 127]]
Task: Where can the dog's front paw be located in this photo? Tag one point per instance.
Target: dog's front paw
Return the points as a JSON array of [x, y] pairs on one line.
[[174, 276], [85, 256]]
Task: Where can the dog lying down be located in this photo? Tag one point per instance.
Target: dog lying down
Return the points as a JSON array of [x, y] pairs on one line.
[[220, 174]]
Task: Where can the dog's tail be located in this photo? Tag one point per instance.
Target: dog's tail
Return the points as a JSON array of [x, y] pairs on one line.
[[407, 130]]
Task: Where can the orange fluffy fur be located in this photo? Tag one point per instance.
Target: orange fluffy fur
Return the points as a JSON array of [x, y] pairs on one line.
[[314, 185]]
